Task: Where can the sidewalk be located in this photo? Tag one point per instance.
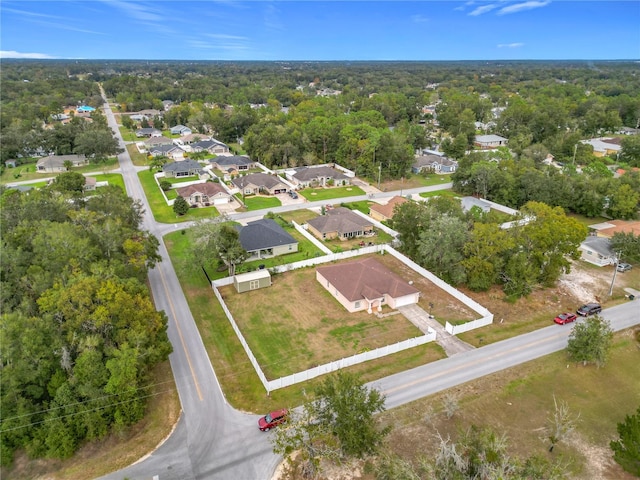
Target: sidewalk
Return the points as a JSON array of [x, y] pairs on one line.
[[421, 319]]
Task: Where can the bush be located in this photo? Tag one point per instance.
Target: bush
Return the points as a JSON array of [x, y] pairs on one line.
[[165, 185]]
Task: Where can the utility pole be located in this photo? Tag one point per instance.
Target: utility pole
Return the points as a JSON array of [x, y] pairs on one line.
[[615, 271], [379, 174], [575, 149]]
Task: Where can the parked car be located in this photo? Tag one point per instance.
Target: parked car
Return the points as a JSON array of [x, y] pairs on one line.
[[589, 309], [565, 318], [293, 194], [273, 419], [624, 267]]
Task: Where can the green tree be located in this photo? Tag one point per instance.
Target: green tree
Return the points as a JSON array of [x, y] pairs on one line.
[[409, 220], [97, 144], [440, 248], [70, 182], [180, 206], [626, 450], [623, 202], [305, 442], [630, 152], [348, 407], [485, 254], [590, 342], [627, 245]]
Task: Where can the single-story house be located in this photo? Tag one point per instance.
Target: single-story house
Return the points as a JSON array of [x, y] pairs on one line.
[[604, 146], [490, 141], [597, 250], [366, 284], [434, 163], [180, 130], [212, 146], [234, 163], [148, 132], [184, 168], [256, 183], [11, 163], [167, 104], [60, 116], [191, 138], [609, 228], [385, 212], [265, 238], [469, 202], [171, 151], [155, 141], [252, 280], [340, 223], [56, 163], [90, 183], [629, 131], [319, 176], [204, 194]]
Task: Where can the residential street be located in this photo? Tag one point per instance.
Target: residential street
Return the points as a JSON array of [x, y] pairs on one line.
[[214, 441]]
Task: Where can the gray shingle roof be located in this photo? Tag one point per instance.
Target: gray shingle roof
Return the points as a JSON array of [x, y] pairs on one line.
[[232, 160], [306, 173], [259, 179], [263, 234], [183, 166], [341, 220]]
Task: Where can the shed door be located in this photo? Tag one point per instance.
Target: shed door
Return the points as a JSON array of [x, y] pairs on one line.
[[254, 284]]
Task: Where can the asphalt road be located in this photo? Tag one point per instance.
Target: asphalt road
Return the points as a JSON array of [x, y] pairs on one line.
[[214, 441]]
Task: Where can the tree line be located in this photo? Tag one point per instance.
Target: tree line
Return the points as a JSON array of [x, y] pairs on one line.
[[80, 334]]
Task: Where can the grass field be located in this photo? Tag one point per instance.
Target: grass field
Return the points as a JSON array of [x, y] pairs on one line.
[[258, 202], [518, 402], [321, 194], [27, 171], [296, 324]]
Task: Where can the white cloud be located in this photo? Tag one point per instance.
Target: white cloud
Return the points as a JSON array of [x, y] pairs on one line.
[[483, 9], [137, 10], [223, 36], [510, 45], [521, 7], [419, 18], [14, 54]]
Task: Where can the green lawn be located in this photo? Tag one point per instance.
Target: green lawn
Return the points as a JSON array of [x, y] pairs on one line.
[[27, 171], [321, 194], [362, 206], [138, 159], [259, 202], [112, 178], [174, 180], [440, 193], [163, 212], [128, 135], [306, 250]]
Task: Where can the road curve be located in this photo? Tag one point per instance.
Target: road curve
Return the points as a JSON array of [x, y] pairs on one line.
[[214, 441]]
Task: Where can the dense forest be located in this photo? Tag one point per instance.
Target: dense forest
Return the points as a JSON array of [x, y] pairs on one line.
[[369, 117], [79, 332]]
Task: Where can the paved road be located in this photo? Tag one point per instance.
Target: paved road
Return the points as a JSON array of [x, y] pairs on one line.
[[213, 440]]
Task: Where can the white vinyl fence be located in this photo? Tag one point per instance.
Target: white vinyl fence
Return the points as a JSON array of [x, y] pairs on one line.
[[305, 375]]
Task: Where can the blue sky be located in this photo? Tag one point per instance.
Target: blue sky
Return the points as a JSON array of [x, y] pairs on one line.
[[318, 30]]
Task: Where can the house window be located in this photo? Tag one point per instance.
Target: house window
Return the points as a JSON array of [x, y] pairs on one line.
[[290, 247], [382, 300], [357, 304]]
